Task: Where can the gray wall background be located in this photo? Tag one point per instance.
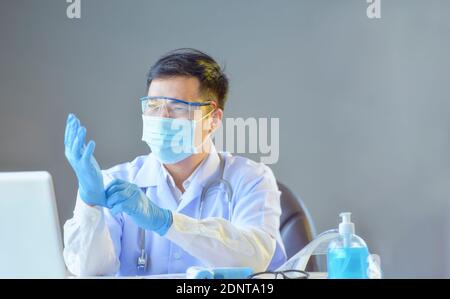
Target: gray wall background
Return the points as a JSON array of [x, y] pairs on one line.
[[363, 104]]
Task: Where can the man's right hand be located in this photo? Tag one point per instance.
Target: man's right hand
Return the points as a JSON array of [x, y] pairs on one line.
[[81, 158]]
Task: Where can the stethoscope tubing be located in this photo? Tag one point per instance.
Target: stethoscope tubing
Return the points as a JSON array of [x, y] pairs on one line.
[[142, 261]]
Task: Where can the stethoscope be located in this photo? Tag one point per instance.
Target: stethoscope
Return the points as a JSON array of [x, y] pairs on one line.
[[142, 260]]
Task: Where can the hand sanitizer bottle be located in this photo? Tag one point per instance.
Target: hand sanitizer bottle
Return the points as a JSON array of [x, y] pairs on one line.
[[347, 255]]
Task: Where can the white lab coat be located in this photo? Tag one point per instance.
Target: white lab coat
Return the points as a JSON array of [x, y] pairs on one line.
[[97, 243]]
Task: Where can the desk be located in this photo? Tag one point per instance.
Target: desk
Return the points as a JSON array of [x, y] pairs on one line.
[[312, 275], [318, 275]]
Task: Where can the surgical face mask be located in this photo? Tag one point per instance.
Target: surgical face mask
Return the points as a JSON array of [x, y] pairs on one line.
[[170, 139]]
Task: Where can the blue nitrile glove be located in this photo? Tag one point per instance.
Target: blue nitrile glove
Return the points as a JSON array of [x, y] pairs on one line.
[[81, 158], [123, 196]]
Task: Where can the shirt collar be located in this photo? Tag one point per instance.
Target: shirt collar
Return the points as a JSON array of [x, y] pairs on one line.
[[165, 173], [148, 174], [152, 170]]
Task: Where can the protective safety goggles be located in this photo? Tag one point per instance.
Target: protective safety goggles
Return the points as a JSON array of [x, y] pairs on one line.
[[173, 108]]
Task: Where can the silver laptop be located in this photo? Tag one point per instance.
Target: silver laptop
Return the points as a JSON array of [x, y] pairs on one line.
[[30, 237]]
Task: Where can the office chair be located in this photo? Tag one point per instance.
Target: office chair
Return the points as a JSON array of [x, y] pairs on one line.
[[296, 226]]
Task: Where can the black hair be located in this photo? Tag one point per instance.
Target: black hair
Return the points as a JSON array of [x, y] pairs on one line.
[[193, 63]]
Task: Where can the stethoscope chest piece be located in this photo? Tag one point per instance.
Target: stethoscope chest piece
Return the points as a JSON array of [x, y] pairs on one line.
[[142, 260]]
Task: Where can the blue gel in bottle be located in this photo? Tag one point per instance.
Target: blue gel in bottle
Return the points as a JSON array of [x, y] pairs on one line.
[[347, 255]]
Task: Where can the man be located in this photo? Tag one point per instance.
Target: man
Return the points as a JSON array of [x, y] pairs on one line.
[[182, 205]]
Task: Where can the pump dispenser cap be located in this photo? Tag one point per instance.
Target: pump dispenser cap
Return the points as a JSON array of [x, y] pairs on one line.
[[346, 227]]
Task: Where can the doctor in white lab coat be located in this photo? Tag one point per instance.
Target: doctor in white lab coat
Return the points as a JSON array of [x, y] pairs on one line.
[[149, 216]]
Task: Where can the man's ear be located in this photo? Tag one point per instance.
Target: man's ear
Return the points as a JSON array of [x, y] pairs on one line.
[[216, 119]]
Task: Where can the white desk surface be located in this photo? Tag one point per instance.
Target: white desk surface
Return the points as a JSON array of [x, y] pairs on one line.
[[312, 275]]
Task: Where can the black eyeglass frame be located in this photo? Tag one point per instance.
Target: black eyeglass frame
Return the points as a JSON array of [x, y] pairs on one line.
[[282, 274]]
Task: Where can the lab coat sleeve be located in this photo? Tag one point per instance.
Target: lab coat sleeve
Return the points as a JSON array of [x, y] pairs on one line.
[[219, 243], [249, 240], [89, 249]]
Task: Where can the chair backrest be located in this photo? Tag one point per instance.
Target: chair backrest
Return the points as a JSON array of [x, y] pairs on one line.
[[296, 226]]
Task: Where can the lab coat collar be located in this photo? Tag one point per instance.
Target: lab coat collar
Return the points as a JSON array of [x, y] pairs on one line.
[[207, 168], [152, 170], [206, 172]]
